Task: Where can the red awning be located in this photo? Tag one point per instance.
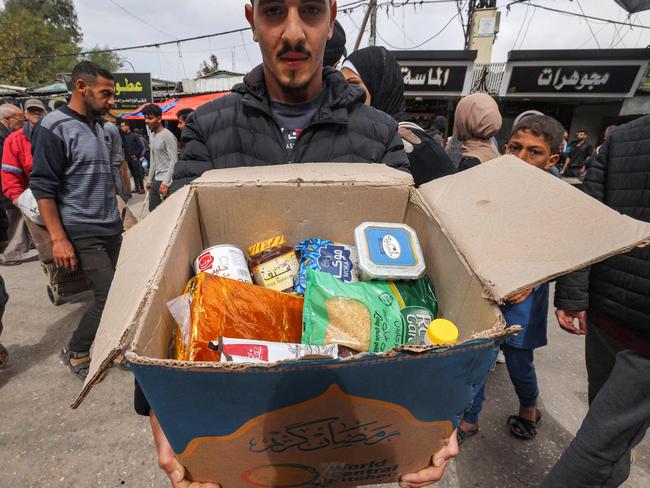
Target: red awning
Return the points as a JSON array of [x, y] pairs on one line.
[[171, 107]]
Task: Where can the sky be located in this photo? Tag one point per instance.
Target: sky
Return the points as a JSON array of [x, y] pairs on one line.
[[118, 23]]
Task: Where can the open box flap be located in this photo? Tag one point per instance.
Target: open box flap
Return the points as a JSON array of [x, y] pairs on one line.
[[143, 248], [518, 226], [292, 174]]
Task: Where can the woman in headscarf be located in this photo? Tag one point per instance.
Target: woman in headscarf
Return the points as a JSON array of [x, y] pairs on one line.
[[377, 71], [476, 122]]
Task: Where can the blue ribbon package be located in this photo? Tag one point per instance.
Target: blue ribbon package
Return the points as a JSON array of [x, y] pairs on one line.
[[339, 260]]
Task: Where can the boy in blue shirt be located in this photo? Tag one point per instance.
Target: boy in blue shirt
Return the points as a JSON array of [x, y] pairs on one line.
[[535, 139]]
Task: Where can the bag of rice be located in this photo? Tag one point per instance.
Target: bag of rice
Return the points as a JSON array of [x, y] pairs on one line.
[[366, 316]]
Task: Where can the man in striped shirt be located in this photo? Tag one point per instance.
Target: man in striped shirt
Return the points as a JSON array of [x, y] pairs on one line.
[[72, 182]]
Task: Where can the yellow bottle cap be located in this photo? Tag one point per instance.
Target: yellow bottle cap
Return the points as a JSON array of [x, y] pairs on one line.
[[442, 331]]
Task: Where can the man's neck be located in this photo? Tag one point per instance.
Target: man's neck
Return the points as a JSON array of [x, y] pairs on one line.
[[158, 129], [278, 94], [79, 107]]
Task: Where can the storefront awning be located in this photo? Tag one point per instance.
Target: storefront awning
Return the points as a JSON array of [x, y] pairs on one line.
[[171, 107]]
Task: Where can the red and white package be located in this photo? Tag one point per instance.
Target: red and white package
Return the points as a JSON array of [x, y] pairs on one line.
[[252, 351]]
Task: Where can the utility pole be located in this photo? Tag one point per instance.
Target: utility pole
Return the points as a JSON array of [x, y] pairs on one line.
[[471, 7], [373, 23], [363, 28]]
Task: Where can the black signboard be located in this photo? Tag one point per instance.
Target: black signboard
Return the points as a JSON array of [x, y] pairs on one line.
[[132, 90], [433, 78], [574, 80]]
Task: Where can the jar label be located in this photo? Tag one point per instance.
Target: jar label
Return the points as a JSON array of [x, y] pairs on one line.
[[277, 274]]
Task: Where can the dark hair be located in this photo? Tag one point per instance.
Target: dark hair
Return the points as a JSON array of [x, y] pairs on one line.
[[152, 109], [335, 47], [125, 122], [88, 71], [58, 104], [183, 113], [542, 126]]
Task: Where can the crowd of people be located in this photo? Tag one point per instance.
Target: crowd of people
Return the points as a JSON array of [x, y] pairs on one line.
[[73, 163]]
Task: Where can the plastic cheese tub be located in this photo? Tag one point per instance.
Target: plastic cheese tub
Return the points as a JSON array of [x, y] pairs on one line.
[[388, 251]]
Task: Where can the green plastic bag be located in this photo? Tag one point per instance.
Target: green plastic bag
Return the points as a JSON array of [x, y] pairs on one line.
[[370, 316]]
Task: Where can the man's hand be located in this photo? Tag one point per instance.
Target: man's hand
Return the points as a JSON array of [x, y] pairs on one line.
[[63, 254], [168, 462], [433, 473], [147, 185], [520, 297], [164, 190], [566, 318], [3, 246]]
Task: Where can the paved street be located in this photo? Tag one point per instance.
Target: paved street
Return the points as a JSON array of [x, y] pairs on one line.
[[43, 443]]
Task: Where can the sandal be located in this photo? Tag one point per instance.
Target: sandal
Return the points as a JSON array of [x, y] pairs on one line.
[[463, 435], [523, 428], [81, 367]]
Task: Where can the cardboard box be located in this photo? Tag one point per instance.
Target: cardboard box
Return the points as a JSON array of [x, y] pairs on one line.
[[486, 234]]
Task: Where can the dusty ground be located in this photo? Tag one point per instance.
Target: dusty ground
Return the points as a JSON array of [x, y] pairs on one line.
[[43, 443]]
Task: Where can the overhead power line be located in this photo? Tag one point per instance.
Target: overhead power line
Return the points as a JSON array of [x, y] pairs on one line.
[[131, 14], [576, 14], [130, 48]]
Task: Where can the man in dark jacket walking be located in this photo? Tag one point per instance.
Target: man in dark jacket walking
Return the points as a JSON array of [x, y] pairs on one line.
[[611, 302]]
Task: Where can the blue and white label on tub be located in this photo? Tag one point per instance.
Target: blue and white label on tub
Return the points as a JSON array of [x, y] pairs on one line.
[[390, 246]]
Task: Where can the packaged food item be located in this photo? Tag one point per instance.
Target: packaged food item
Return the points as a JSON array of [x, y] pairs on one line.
[[224, 260], [441, 331], [251, 351], [339, 260], [366, 316], [274, 264], [388, 252], [223, 307]]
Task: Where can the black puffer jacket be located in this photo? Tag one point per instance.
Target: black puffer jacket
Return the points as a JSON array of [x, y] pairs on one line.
[[239, 130], [620, 286]]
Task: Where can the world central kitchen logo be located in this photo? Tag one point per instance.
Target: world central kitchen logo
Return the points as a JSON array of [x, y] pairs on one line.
[[127, 86]]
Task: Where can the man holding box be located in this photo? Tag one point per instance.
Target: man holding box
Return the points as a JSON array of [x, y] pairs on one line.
[[288, 110]]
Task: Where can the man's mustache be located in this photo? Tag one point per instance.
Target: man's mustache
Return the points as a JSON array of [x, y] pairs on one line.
[[300, 48]]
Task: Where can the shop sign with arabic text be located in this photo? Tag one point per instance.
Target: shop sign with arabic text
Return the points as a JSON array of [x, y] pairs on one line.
[[574, 80], [132, 90]]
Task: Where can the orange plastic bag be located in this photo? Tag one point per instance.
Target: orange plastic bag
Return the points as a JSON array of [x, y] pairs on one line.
[[224, 307]]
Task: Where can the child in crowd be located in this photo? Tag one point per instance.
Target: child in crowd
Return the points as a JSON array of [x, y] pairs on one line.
[[535, 139]]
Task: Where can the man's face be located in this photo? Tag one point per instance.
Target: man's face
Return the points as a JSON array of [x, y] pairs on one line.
[[532, 149], [33, 115], [125, 128], [153, 122], [15, 120], [98, 95], [292, 35], [581, 136], [181, 123]]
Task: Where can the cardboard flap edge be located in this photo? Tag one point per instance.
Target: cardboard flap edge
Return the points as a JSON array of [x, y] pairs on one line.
[[308, 173], [480, 195], [115, 329]]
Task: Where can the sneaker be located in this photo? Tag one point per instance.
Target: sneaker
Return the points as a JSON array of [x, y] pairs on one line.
[[4, 355], [501, 358]]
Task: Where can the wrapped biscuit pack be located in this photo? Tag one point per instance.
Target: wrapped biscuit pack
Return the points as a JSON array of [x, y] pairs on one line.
[[223, 307]]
